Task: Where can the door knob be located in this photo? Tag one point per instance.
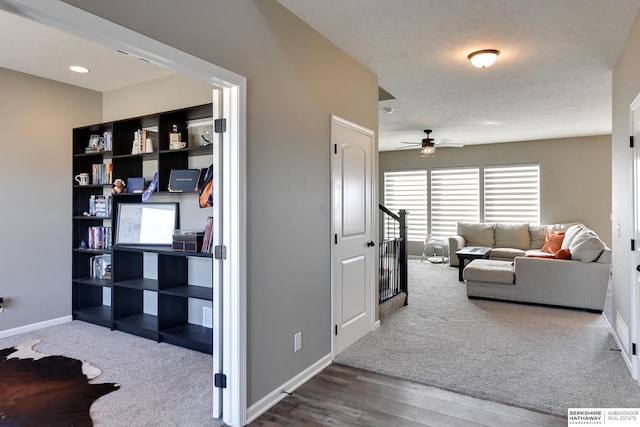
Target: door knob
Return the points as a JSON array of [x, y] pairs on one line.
[[371, 243]]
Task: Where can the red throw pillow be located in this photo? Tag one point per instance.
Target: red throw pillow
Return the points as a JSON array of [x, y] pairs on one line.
[[553, 241], [563, 254]]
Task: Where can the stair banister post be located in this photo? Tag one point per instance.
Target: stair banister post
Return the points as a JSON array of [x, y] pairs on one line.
[[404, 253]]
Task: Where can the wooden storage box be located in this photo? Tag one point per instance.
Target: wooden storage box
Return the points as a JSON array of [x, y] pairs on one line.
[[187, 241]]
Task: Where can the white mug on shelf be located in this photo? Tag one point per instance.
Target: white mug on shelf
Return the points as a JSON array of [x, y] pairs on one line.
[[176, 145], [82, 178]]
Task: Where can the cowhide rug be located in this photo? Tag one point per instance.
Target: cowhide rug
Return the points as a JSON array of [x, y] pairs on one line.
[[41, 390]]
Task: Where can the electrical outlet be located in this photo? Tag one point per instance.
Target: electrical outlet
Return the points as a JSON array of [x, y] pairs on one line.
[[297, 342], [207, 317]]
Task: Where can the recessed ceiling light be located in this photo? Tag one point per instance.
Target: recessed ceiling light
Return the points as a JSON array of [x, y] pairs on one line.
[[79, 69]]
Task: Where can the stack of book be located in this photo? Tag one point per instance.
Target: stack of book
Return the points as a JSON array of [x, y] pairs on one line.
[[99, 237], [100, 206], [100, 267], [101, 173], [207, 240], [143, 141]]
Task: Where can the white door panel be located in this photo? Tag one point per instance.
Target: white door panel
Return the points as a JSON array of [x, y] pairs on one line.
[[353, 289]]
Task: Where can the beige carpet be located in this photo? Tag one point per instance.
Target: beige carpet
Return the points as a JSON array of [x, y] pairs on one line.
[[160, 384], [539, 358]]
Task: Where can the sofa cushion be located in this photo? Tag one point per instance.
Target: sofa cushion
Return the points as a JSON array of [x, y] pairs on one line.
[[571, 233], [537, 233], [561, 254], [512, 236], [485, 270], [586, 246], [477, 234], [553, 241], [536, 253], [505, 253]]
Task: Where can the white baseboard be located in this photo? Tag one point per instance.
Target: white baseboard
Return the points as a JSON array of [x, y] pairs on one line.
[[35, 326], [376, 325], [261, 406]]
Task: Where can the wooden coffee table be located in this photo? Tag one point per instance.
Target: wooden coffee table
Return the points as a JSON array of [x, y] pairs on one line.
[[470, 253]]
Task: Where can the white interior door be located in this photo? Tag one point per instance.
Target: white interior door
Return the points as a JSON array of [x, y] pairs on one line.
[[353, 254], [635, 273]]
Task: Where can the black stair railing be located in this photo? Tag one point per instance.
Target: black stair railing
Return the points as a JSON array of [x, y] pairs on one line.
[[393, 255]]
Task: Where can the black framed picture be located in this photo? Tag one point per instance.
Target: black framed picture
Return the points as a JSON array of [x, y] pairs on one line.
[[147, 223]]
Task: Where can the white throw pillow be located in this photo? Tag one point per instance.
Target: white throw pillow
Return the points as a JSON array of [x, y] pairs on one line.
[[571, 234], [586, 246], [477, 234]]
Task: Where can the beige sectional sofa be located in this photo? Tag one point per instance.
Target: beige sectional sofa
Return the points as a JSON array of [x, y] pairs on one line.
[[517, 272]]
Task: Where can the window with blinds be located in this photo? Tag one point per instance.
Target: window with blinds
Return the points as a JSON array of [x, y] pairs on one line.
[[407, 190], [455, 196], [512, 193]]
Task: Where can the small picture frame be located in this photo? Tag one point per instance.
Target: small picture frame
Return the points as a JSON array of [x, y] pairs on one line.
[[147, 223]]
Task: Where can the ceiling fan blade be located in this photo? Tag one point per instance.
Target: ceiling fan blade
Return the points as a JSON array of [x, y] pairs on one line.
[[410, 143], [448, 143], [408, 147]]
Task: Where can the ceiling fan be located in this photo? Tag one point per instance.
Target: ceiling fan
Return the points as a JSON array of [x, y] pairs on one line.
[[429, 145]]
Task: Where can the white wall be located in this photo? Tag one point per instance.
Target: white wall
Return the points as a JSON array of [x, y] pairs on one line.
[[626, 86], [36, 119], [163, 94]]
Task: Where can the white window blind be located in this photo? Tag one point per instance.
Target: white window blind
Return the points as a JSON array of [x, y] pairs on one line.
[[407, 190], [455, 196], [512, 193]]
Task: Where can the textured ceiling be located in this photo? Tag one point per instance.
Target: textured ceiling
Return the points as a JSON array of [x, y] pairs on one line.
[[36, 49], [552, 78]]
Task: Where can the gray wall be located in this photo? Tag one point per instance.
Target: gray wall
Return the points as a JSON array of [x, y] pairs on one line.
[[296, 79], [626, 86], [575, 175], [36, 118]]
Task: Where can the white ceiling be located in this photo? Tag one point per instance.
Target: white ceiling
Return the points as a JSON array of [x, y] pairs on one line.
[[552, 78], [39, 50]]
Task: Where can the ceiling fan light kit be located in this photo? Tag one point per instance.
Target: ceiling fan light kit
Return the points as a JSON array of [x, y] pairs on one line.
[[428, 145], [427, 151], [484, 58]]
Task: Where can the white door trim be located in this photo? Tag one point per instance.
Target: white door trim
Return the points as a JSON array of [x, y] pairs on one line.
[[64, 17], [634, 124], [374, 224]]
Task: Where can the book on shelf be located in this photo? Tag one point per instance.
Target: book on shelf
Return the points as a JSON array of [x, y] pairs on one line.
[[101, 173], [207, 240], [143, 141], [108, 141], [100, 206], [99, 237], [100, 266]]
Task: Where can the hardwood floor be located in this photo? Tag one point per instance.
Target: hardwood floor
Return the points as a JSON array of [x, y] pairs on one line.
[[345, 396]]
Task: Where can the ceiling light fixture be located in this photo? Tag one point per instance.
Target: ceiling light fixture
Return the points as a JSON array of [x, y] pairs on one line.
[[483, 58], [427, 151], [79, 69]]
